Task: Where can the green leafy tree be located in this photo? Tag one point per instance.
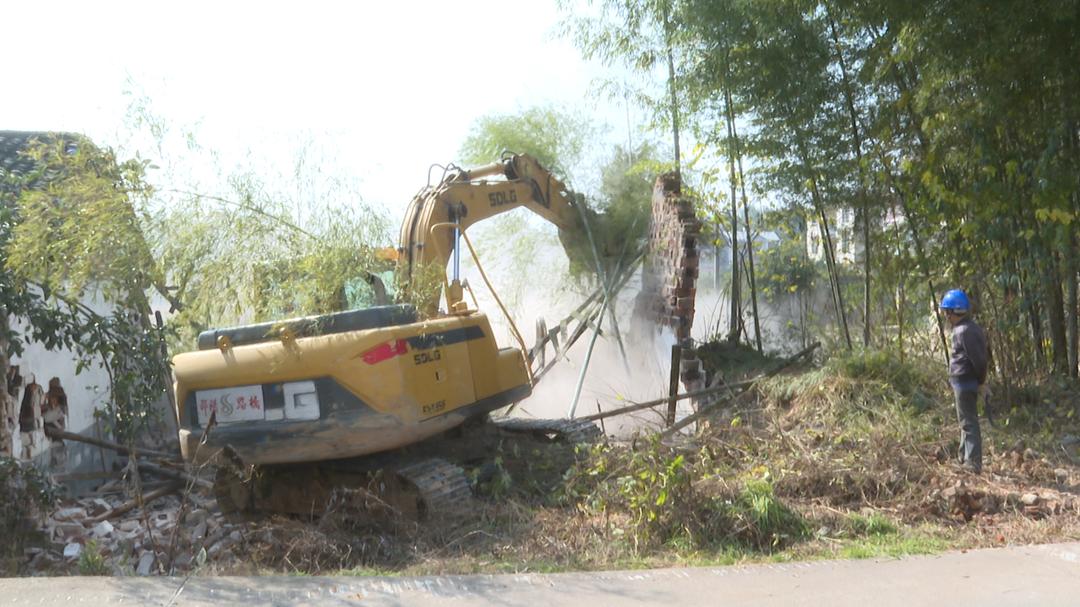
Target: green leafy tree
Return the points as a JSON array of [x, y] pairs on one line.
[[559, 137], [562, 140], [70, 231]]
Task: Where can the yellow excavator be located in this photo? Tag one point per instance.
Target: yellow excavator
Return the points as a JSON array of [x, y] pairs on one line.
[[387, 397]]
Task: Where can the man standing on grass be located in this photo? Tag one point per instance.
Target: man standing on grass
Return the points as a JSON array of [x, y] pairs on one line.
[[967, 373]]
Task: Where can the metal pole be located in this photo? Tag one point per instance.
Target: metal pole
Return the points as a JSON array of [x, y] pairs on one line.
[[588, 355], [457, 248]]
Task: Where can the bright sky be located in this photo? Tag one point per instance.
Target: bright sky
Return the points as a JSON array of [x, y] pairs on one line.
[[397, 82]]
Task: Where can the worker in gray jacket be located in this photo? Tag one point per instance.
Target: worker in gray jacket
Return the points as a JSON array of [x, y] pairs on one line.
[[967, 373]]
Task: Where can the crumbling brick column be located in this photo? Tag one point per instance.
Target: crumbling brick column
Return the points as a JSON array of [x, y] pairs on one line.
[[669, 276]]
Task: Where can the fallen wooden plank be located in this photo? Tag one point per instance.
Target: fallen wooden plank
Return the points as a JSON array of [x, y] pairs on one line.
[[146, 499], [173, 474], [700, 413], [709, 408], [737, 386], [85, 476], [97, 442], [663, 400]]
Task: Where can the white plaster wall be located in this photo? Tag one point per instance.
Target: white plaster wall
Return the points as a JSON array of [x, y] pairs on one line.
[[85, 391]]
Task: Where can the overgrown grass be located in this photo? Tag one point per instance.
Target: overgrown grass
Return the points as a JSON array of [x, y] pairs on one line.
[[847, 460]]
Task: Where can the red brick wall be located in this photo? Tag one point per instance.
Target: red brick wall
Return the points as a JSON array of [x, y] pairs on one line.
[[669, 276]]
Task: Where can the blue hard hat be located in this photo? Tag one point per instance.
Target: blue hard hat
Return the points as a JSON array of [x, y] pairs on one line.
[[955, 300]]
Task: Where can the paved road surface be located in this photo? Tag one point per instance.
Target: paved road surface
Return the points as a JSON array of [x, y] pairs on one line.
[[1042, 576]]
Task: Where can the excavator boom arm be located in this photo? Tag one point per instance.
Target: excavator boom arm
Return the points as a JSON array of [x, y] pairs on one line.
[[466, 197]]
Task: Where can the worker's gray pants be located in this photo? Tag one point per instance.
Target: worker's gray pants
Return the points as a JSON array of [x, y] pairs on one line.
[[967, 413]]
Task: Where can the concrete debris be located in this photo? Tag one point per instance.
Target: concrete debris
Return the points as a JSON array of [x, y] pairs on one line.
[[102, 529], [146, 561], [1030, 499], [137, 542]]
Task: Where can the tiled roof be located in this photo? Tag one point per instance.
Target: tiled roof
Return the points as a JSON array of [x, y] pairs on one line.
[[13, 162]]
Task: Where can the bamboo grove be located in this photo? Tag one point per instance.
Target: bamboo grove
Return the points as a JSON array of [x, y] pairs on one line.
[[956, 119]]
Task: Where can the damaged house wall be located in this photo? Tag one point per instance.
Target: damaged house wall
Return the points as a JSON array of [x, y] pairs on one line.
[[46, 388], [669, 277], [47, 391]]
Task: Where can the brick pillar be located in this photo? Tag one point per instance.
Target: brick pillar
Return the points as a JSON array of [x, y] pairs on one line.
[[669, 277]]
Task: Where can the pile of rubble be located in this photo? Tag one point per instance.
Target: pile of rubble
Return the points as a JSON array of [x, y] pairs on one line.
[[965, 502], [106, 533], [1022, 481]]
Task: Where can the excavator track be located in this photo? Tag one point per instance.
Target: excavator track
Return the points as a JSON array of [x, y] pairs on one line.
[[418, 486], [570, 431], [426, 486], [441, 485]]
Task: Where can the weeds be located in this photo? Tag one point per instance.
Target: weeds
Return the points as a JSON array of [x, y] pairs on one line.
[[657, 497], [26, 493], [874, 523], [763, 521], [92, 561]]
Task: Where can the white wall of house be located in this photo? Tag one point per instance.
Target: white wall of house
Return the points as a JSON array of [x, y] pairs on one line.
[[49, 391]]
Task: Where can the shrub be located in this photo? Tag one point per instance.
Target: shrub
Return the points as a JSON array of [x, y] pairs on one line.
[[882, 365], [26, 494], [763, 522], [92, 561]]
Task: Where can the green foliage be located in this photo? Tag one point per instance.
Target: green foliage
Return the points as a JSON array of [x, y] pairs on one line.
[[720, 357], [784, 268], [624, 204], [651, 484], [255, 243], [870, 524], [27, 494], [92, 561], [948, 133], [882, 365], [560, 140], [79, 230], [69, 231], [493, 481], [558, 137], [276, 228], [674, 499], [762, 520]]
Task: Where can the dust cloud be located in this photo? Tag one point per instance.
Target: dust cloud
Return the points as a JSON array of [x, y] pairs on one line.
[[615, 375]]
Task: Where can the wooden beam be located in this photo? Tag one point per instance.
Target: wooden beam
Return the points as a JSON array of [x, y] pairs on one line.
[[673, 385], [56, 433], [146, 499], [85, 476], [734, 388]]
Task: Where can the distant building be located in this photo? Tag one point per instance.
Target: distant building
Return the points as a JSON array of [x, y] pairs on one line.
[[845, 234], [716, 258]]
